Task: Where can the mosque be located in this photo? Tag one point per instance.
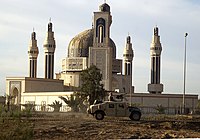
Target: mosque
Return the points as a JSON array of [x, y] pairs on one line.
[[91, 47]]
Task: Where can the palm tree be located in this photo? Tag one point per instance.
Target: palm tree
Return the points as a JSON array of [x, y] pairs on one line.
[[160, 109], [56, 105], [73, 101]]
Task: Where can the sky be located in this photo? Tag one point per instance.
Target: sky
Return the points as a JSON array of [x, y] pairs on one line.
[[134, 17]]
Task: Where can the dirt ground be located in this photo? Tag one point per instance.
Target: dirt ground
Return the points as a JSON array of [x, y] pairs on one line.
[[82, 126]]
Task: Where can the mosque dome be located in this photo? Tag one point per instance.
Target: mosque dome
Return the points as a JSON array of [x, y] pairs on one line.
[[104, 7], [79, 45]]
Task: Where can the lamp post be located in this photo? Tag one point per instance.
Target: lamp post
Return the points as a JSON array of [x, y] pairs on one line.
[[184, 74]]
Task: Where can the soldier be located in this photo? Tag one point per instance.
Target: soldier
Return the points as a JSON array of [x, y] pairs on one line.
[[110, 97]]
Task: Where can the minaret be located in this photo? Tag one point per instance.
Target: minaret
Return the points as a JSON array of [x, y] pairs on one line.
[[49, 49], [102, 23], [33, 54], [155, 50], [128, 57], [127, 61], [100, 54]]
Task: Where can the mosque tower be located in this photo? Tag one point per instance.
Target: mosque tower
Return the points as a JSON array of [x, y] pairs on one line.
[[127, 61], [33, 54], [155, 86], [101, 52], [49, 49]]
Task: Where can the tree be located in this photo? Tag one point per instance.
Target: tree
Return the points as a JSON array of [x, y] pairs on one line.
[[56, 105], [74, 101], [9, 99], [91, 84]]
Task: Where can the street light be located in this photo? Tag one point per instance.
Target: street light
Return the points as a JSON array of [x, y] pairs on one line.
[[184, 74]]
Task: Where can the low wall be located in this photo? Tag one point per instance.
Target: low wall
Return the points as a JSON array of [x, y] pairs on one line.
[[173, 103]]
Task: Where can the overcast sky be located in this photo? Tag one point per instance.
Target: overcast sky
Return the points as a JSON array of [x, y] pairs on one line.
[[136, 17]]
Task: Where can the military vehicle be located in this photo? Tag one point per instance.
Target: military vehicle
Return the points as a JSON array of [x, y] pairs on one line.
[[114, 109]]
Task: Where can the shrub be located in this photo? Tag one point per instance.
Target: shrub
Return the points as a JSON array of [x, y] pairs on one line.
[[160, 109], [56, 105]]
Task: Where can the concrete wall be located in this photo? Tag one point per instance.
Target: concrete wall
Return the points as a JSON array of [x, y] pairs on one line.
[[122, 83], [70, 78], [43, 85], [39, 97], [16, 86], [41, 100], [172, 102]]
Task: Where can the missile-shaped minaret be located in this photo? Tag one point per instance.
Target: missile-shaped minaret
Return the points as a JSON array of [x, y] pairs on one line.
[[49, 49], [33, 54], [128, 57], [155, 51], [127, 61]]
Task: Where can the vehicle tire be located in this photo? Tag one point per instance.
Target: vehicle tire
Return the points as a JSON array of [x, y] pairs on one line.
[[135, 116], [99, 115]]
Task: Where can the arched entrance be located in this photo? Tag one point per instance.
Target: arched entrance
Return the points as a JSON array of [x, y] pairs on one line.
[[14, 95]]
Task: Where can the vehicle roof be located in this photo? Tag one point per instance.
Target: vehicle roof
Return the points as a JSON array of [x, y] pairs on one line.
[[115, 102]]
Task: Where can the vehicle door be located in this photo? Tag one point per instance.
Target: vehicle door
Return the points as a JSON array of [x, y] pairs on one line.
[[111, 109], [121, 110]]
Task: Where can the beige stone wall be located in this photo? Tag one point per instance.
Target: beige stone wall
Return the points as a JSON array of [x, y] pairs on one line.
[[16, 86], [44, 99], [121, 82], [167, 100], [173, 102], [47, 97], [117, 66], [70, 78], [43, 85], [102, 58]]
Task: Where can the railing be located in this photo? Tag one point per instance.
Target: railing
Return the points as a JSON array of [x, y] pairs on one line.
[[65, 108], [166, 110], [42, 108], [46, 108]]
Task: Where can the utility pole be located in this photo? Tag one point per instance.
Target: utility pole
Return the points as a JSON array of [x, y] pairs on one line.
[[184, 74]]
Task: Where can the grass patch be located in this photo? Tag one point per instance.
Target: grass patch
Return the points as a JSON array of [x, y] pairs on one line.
[[13, 127]]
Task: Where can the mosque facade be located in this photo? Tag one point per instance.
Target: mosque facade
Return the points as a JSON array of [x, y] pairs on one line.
[[91, 47], [95, 47]]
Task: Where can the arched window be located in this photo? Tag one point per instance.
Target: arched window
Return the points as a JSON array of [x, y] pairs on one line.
[[100, 30]]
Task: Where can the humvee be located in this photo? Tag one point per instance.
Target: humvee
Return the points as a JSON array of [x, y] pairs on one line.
[[115, 109]]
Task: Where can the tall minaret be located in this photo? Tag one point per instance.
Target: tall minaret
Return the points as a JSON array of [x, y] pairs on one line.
[[127, 61], [100, 54], [33, 54], [155, 50], [49, 49]]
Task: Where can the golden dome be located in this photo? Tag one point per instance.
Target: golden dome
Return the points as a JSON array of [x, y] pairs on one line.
[[79, 45]]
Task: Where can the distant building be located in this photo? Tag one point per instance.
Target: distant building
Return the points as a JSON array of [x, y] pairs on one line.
[[91, 47]]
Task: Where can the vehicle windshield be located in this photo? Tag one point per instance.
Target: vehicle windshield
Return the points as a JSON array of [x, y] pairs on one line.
[[97, 102]]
